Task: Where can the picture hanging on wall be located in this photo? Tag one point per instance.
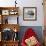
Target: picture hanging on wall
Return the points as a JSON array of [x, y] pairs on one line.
[[30, 13]]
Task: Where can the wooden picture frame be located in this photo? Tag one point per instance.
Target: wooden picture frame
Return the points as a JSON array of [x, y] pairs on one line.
[[29, 13]]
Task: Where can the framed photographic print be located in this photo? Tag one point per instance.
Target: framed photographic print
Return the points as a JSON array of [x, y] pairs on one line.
[[5, 12], [30, 13], [13, 12]]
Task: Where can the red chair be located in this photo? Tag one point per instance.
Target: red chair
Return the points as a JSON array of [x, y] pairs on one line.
[[29, 33]]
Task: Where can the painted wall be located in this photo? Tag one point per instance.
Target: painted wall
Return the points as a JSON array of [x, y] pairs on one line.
[[26, 3]]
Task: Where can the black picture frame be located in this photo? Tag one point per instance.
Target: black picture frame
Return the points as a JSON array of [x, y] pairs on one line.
[[29, 13]]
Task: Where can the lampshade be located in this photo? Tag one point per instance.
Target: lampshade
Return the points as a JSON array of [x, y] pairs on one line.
[[15, 30]]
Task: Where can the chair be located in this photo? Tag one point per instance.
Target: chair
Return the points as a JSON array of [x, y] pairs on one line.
[[28, 36]]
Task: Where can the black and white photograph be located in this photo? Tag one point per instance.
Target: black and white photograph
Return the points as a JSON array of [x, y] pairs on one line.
[[30, 13]]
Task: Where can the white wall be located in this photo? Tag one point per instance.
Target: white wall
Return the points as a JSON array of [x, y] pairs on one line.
[[26, 3]]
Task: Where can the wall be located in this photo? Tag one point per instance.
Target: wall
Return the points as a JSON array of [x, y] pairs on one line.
[[35, 3], [27, 3]]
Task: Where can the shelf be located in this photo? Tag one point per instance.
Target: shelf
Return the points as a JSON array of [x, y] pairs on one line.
[[11, 41], [10, 19], [10, 26], [8, 11]]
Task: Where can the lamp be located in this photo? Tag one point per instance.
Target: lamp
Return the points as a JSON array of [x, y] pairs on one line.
[[15, 3], [15, 30]]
